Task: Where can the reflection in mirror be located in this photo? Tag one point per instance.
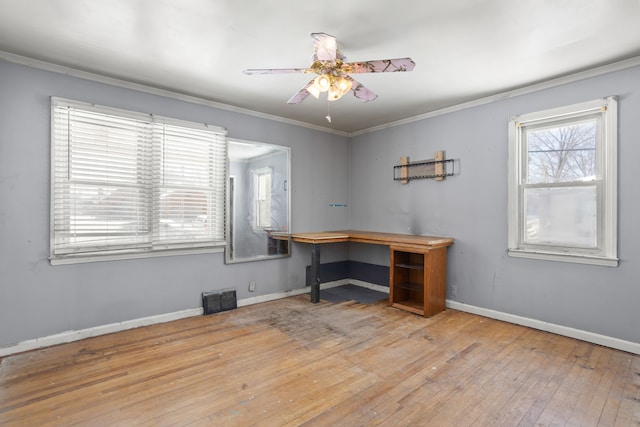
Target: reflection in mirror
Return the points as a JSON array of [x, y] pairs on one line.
[[257, 201]]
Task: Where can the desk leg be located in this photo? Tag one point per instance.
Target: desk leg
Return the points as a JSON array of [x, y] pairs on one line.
[[315, 279]]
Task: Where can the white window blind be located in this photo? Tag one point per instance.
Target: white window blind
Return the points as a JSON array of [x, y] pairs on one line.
[[130, 183], [189, 205]]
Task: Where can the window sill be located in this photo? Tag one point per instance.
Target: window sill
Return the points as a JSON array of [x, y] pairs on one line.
[[137, 255], [564, 257]]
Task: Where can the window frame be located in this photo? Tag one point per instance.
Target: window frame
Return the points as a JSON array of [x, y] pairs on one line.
[[257, 201], [156, 244], [605, 252]]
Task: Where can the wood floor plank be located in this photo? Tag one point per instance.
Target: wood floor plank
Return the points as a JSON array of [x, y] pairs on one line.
[[629, 403], [634, 395], [547, 395], [291, 363], [621, 364], [588, 391], [465, 380], [539, 350]]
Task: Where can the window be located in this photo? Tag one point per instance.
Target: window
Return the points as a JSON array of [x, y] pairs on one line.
[[125, 184], [262, 197], [562, 184]]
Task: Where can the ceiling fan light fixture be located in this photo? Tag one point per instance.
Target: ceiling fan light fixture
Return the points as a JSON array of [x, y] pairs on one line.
[[313, 90], [334, 93], [339, 87], [322, 83], [344, 85]]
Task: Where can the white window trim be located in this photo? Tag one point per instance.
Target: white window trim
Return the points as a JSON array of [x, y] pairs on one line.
[[187, 249], [608, 208], [78, 259], [255, 174]]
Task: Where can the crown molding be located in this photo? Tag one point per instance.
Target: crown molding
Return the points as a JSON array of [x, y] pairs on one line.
[[547, 84], [582, 75], [98, 78]]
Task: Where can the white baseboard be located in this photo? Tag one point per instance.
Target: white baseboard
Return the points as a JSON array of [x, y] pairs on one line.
[[306, 290], [566, 331], [300, 291], [379, 288], [69, 336]]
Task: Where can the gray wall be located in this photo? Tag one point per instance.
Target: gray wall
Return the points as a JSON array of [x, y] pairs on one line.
[[472, 208], [37, 299]]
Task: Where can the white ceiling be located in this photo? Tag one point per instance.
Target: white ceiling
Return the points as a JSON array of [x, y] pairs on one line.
[[464, 49]]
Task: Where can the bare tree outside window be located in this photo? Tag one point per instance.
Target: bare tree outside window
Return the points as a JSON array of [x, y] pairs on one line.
[[562, 154]]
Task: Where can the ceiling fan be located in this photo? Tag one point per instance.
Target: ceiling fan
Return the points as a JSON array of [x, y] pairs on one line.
[[333, 72]]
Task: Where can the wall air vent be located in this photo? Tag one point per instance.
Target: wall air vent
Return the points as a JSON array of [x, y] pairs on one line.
[[217, 301]]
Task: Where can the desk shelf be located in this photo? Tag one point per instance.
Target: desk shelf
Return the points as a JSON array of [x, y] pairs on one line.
[[411, 266], [415, 287], [412, 306], [418, 279]]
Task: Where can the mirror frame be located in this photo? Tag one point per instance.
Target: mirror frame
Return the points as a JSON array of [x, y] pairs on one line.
[[228, 234]]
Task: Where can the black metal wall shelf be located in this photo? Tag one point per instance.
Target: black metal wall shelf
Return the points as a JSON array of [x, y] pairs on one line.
[[437, 168]]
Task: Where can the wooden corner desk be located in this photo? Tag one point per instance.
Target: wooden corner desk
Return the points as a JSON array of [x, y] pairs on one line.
[[417, 268]]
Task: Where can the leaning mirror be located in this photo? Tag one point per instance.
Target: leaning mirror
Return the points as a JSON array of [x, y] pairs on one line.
[[257, 201]]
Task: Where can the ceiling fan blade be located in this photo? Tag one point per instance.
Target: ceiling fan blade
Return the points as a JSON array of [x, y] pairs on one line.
[[277, 70], [379, 66], [301, 95], [359, 91], [325, 47]]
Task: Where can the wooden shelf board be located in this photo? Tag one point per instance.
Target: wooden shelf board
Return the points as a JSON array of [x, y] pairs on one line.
[[410, 305], [411, 266], [416, 287]]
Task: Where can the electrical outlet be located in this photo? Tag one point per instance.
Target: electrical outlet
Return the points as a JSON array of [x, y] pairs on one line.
[[454, 290], [252, 286]]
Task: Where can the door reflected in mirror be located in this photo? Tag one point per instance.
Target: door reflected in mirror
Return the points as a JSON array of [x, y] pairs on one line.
[[258, 200]]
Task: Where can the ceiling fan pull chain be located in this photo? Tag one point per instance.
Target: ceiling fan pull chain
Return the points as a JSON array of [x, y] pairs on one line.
[[328, 116]]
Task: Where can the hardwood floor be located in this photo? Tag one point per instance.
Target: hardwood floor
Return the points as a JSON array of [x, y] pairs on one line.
[[290, 362]]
